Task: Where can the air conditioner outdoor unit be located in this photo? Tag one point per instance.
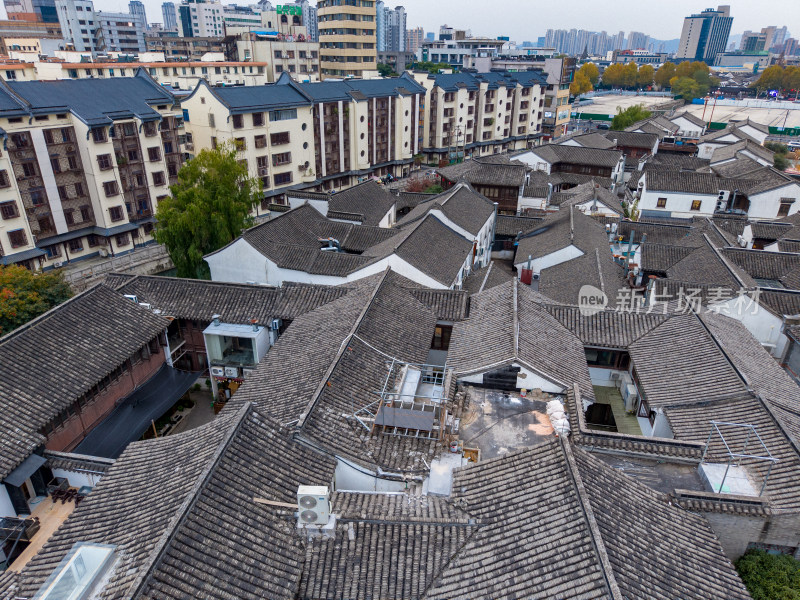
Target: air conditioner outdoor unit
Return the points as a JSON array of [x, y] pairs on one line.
[[58, 264], [132, 298], [741, 241], [103, 252], [629, 396], [313, 505], [218, 371], [146, 305], [231, 371], [275, 324], [247, 372]]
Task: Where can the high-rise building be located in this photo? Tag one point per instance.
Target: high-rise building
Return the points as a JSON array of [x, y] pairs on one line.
[[136, 7], [120, 32], [414, 39], [430, 36], [351, 50], [74, 16], [170, 15], [44, 10], [199, 18], [705, 34], [637, 40], [380, 26], [396, 29], [753, 42]]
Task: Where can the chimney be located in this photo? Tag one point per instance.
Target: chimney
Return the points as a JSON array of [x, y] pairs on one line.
[[254, 323], [215, 319]]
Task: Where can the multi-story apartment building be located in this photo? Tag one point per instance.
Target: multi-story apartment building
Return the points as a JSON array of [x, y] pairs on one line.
[[475, 114], [178, 75], [200, 18], [93, 31], [300, 59], [183, 48], [30, 29], [170, 15], [316, 136], [414, 39], [457, 48], [85, 165], [347, 36]]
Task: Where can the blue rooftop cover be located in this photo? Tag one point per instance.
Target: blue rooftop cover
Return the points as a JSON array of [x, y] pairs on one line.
[[95, 101]]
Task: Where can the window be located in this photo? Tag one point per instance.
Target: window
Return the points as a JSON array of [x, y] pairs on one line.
[[75, 245], [86, 213], [133, 155], [240, 144], [8, 210], [20, 140], [69, 216], [37, 197], [56, 165], [281, 159], [167, 147], [62, 192], [696, 204], [214, 143], [93, 240], [72, 162], [158, 178], [441, 337], [116, 214], [278, 139], [122, 239], [110, 188], [154, 154], [172, 169], [283, 115], [238, 121], [4, 181], [66, 134], [17, 238], [29, 169], [211, 122], [45, 223], [260, 141], [662, 203], [282, 178], [99, 135], [258, 119], [104, 162], [48, 136], [785, 207]]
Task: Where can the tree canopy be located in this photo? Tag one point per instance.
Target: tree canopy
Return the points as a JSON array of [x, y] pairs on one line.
[[25, 295], [586, 79], [692, 80], [770, 576], [629, 116], [207, 209], [431, 67], [665, 74], [386, 70], [784, 79], [627, 76]]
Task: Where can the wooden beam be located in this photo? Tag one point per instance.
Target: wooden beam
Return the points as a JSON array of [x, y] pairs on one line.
[[274, 503]]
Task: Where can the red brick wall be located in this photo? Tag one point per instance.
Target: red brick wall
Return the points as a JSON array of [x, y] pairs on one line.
[[78, 426]]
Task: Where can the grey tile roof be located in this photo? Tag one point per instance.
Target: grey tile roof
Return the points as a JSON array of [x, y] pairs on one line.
[[676, 162], [658, 233], [587, 192], [631, 139], [678, 362], [258, 98], [94, 101], [689, 117], [575, 155], [659, 258], [461, 204], [411, 199], [54, 359], [509, 323], [762, 373], [683, 182], [236, 303], [714, 136], [486, 278], [780, 302], [787, 245], [692, 422], [510, 226], [609, 328], [707, 266], [318, 392], [178, 507], [761, 264], [739, 167], [368, 200], [588, 140], [605, 522], [563, 282], [480, 171], [568, 227], [770, 231]]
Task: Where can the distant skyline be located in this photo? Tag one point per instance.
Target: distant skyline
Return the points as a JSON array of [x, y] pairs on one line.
[[526, 20]]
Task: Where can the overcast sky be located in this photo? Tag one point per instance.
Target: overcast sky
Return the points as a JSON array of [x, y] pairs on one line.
[[528, 19]]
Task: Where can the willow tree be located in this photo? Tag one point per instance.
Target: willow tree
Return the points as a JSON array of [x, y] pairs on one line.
[[207, 208]]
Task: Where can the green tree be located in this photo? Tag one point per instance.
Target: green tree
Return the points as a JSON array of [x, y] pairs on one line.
[[770, 576], [645, 76], [431, 67], [580, 85], [771, 79], [207, 209], [386, 70], [687, 88], [25, 295], [629, 116], [664, 74]]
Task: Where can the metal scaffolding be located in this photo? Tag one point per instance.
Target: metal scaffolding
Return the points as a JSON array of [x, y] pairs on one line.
[[737, 457]]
